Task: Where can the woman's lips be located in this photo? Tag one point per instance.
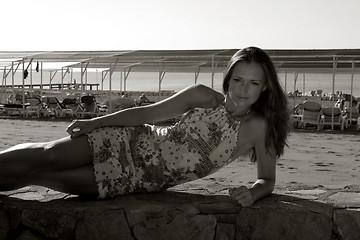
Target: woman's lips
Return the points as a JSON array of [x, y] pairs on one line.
[[243, 98]]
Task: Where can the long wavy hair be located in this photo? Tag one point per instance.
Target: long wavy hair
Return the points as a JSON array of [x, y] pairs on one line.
[[272, 103]]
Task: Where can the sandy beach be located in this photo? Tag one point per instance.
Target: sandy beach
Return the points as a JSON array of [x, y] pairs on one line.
[[313, 158]]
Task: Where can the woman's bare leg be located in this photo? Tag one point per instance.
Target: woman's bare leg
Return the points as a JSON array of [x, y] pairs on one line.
[[60, 164], [79, 181]]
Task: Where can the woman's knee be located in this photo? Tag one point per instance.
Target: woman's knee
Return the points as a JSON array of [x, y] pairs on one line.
[[51, 154], [23, 157], [34, 158], [37, 156], [66, 153]]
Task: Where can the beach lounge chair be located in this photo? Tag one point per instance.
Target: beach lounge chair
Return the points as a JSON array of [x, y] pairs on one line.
[[90, 108], [14, 105], [117, 104], [56, 107], [332, 117], [71, 102], [2, 110], [311, 114], [14, 109], [352, 115], [143, 100], [297, 115], [34, 108]]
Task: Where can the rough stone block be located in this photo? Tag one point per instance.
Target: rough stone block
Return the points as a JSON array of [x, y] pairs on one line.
[[225, 231], [50, 223], [174, 215], [108, 224], [221, 207], [4, 224], [284, 220], [346, 199], [27, 235], [14, 217], [347, 224], [198, 227]]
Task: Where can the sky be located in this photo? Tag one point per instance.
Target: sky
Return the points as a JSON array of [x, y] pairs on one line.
[[80, 25]]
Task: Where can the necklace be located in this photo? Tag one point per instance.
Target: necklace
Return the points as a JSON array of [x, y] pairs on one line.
[[243, 116], [239, 118]]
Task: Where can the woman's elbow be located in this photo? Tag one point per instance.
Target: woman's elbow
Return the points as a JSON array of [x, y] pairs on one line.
[[271, 184]]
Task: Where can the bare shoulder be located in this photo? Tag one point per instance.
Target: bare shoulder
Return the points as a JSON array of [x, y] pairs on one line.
[[257, 126], [258, 121]]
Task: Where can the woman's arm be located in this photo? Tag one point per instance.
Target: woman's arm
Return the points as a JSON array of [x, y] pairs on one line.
[[179, 103], [266, 174], [266, 169]]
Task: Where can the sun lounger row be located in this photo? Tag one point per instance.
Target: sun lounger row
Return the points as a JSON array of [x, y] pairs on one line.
[[312, 113], [49, 106], [72, 106]]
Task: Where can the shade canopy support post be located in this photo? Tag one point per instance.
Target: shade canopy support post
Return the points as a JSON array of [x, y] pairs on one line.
[[197, 72], [304, 78], [121, 80], [126, 75], [71, 77], [352, 86], [296, 74], [213, 66], [52, 76], [103, 76], [13, 72], [161, 76], [333, 91], [111, 71], [23, 87], [86, 77], [41, 79], [12, 82], [5, 75], [3, 82], [63, 75], [83, 71], [31, 75], [285, 81]]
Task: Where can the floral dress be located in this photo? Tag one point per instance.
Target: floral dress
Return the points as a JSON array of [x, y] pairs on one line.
[[149, 158]]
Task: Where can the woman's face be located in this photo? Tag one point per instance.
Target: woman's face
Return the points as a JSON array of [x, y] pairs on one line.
[[246, 84]]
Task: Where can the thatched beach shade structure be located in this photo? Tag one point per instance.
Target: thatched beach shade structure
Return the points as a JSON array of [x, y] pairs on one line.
[[288, 62]]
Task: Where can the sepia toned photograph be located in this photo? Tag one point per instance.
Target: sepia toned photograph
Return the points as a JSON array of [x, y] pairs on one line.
[[199, 120]]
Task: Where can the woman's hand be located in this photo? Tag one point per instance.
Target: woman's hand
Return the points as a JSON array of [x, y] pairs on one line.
[[242, 195], [80, 127]]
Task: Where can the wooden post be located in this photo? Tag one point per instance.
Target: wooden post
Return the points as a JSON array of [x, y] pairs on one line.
[[333, 91]]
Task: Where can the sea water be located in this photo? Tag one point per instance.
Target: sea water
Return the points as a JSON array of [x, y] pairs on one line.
[[324, 82], [137, 81]]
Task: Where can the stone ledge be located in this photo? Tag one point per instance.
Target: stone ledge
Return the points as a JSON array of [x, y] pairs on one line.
[[178, 215]]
